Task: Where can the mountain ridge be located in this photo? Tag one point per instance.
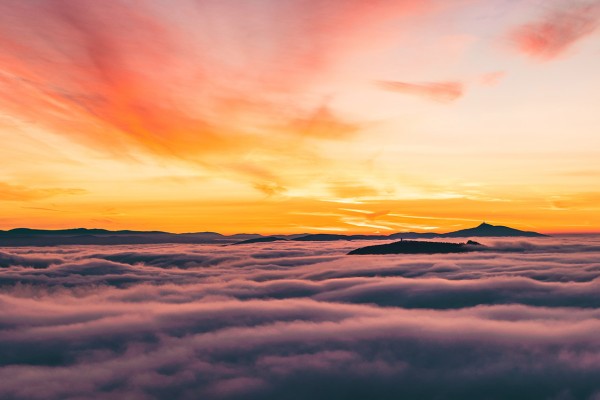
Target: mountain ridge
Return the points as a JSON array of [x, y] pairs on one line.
[[98, 236]]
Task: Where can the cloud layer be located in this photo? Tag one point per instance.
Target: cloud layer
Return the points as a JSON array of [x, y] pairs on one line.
[[300, 320]]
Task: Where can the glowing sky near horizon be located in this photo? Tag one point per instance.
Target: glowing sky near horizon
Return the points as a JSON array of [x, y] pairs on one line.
[[277, 116]]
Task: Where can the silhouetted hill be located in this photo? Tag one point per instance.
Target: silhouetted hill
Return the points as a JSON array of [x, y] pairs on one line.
[[83, 236], [483, 230], [413, 235], [487, 230], [320, 237], [71, 232], [244, 236], [264, 239], [327, 237], [418, 247]]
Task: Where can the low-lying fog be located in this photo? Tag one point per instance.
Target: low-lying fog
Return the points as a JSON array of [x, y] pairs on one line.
[[301, 320]]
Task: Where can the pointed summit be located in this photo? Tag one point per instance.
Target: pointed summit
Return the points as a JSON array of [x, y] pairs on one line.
[[485, 229]]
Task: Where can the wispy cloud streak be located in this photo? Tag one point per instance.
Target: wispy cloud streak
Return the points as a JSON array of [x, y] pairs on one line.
[[444, 92]]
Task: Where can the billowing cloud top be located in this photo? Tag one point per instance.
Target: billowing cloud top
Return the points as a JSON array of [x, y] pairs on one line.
[[300, 320]]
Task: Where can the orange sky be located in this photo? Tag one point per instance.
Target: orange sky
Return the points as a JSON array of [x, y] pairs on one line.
[[300, 116]]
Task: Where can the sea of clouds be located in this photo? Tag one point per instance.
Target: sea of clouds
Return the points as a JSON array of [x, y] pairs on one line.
[[301, 320]]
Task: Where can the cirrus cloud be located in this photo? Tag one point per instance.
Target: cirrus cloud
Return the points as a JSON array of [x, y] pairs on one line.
[[443, 92]]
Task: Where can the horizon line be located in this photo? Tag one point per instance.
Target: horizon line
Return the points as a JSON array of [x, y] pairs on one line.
[[308, 232]]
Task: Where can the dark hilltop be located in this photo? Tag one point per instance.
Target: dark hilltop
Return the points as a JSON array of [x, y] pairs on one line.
[[482, 230], [488, 230], [419, 247], [262, 239]]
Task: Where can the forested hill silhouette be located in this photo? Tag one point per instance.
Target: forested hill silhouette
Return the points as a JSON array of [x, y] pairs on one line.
[[262, 239], [84, 236], [419, 247]]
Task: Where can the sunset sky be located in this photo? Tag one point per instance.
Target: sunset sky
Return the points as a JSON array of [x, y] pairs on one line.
[[281, 116]]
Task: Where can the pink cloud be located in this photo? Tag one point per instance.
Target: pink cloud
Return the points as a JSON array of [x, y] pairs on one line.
[[558, 31], [443, 92], [492, 78], [206, 81], [174, 83]]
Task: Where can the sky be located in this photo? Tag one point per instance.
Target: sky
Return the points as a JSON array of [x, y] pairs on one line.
[[274, 116]]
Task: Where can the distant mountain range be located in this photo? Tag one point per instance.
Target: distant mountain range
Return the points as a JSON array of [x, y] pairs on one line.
[[83, 236]]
